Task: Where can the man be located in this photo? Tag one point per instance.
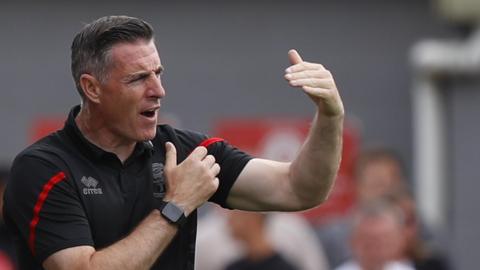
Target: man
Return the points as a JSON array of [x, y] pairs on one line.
[[112, 190], [378, 238], [380, 172], [289, 234], [249, 228]]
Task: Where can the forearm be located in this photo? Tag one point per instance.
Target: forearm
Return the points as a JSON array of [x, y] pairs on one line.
[[314, 170], [139, 250]]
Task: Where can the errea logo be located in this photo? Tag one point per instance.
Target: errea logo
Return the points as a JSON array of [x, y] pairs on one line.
[[91, 186]]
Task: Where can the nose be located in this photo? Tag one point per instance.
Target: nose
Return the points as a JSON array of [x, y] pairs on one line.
[[155, 88]]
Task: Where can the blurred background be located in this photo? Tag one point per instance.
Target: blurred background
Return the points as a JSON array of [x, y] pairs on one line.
[[408, 72]]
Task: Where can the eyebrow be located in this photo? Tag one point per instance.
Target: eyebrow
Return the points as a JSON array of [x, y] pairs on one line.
[[140, 74]]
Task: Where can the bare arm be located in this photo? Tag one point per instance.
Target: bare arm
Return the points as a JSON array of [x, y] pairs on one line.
[[189, 184], [306, 182], [139, 250]]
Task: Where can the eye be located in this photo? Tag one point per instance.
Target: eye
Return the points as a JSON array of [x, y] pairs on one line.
[[138, 79]]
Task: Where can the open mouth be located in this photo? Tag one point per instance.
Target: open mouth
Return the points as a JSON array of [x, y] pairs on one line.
[[148, 113]]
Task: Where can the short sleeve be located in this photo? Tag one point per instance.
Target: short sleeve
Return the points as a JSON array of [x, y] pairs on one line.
[[231, 160], [43, 208]]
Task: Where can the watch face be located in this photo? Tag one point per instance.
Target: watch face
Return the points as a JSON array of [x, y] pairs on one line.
[[172, 212]]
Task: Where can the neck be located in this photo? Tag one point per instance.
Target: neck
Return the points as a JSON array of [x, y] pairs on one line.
[[259, 248], [95, 131]]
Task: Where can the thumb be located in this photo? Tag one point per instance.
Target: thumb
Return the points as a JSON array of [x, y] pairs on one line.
[[294, 57], [170, 156]]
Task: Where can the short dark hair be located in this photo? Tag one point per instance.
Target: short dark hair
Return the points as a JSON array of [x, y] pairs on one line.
[[378, 153], [379, 208], [91, 46]]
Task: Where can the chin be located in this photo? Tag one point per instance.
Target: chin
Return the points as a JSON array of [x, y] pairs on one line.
[[149, 135]]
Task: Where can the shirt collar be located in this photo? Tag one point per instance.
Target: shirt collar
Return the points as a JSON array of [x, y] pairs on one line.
[[74, 132]]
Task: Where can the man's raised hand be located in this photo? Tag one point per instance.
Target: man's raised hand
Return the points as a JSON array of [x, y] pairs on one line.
[[317, 82]]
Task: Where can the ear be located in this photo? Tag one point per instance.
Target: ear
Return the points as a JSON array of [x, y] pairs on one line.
[[91, 87]]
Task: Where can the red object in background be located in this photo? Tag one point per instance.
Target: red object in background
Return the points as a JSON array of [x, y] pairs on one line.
[[43, 126], [280, 139]]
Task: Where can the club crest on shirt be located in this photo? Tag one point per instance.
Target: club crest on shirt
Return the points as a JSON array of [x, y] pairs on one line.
[[158, 180], [91, 186]]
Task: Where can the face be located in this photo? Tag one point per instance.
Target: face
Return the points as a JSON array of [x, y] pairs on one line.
[[129, 100], [379, 178], [377, 240]]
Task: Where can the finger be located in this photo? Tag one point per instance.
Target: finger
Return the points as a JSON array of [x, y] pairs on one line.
[[209, 160], [170, 156], [216, 182], [304, 66], [199, 153], [317, 92], [294, 57], [215, 169], [316, 73], [312, 82]]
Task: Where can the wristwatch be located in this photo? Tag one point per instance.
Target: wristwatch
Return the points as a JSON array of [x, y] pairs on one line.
[[172, 213]]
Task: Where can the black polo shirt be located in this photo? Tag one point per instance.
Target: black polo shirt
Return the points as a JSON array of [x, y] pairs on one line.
[[65, 192]]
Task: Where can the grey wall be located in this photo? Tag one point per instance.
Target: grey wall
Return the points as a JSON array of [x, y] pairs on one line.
[[226, 58]]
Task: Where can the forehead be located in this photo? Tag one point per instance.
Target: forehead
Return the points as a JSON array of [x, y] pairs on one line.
[[383, 223], [133, 57]]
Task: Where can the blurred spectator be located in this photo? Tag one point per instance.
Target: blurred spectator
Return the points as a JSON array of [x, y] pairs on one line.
[[380, 175], [290, 235], [379, 171], [416, 249], [377, 238], [249, 229], [7, 253]]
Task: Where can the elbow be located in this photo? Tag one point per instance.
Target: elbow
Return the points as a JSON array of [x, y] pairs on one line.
[[315, 195], [314, 201], [312, 188]]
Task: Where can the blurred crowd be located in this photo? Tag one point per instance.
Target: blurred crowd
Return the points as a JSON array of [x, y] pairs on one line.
[[381, 231]]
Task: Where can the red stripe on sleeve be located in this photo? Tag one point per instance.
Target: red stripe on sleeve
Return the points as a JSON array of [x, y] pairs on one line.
[[207, 142], [38, 207]]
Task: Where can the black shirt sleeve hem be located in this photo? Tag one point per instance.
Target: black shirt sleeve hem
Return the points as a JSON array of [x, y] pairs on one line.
[[221, 196], [42, 256]]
